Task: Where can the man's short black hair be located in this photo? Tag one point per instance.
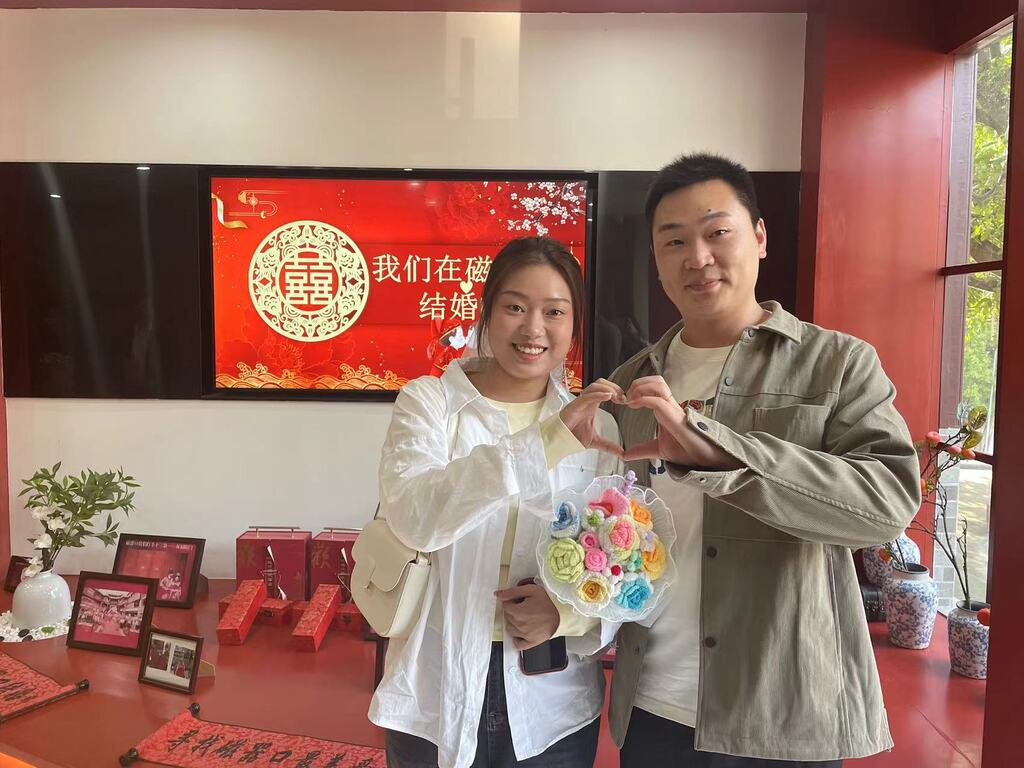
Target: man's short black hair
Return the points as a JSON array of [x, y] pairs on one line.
[[695, 169]]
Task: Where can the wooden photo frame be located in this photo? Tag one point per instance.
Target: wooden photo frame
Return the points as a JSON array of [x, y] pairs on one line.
[[174, 561], [171, 660], [15, 568], [112, 613]]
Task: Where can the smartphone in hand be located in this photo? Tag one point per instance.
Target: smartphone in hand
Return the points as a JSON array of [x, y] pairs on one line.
[[549, 656]]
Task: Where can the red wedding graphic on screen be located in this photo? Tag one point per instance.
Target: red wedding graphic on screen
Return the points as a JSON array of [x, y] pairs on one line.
[[358, 284]]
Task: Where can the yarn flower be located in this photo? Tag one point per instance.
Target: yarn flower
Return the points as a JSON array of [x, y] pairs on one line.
[[590, 540], [635, 563], [647, 539], [654, 561], [619, 538], [642, 515], [595, 560], [594, 589], [567, 521], [614, 574], [614, 501], [634, 592], [593, 518], [565, 560]]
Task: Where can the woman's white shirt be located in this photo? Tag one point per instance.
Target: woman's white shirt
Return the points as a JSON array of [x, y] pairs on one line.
[[448, 470]]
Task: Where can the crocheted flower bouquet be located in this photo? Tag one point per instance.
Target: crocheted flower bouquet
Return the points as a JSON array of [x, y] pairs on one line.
[[607, 553]]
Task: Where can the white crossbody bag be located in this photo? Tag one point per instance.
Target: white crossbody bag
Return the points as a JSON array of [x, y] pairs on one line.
[[389, 579]]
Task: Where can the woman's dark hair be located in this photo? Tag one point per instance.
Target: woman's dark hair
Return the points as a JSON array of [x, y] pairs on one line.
[[530, 252]]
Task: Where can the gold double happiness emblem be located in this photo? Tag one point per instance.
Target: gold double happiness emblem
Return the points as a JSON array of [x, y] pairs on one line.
[[309, 281]]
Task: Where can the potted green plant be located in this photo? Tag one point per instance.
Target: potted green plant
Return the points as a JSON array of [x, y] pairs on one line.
[[68, 507]]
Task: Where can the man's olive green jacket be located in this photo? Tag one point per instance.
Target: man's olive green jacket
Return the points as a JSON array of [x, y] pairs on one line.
[[786, 664]]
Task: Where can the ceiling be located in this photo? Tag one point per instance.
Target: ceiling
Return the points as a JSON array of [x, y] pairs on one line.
[[514, 6]]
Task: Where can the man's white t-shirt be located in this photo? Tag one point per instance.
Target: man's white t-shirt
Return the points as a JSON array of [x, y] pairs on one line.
[[669, 679]]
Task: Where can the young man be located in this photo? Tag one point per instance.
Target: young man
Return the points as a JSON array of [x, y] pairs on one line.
[[777, 447]]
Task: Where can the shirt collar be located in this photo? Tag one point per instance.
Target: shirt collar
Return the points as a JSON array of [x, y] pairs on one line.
[[461, 392], [780, 321]]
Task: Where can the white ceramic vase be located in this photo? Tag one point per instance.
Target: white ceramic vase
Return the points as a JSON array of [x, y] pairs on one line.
[[41, 600]]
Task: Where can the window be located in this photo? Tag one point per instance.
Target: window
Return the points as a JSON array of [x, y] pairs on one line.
[[973, 286]]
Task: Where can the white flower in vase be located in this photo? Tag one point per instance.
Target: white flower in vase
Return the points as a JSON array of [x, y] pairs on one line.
[[66, 506]]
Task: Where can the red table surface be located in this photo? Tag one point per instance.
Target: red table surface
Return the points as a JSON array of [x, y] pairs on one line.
[[934, 714], [261, 684]]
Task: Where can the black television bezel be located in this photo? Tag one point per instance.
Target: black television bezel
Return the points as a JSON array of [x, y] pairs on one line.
[[205, 250]]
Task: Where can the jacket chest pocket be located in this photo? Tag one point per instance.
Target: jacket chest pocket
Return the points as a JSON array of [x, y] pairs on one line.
[[802, 425]]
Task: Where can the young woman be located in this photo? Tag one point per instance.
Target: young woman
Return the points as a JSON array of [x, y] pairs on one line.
[[467, 473]]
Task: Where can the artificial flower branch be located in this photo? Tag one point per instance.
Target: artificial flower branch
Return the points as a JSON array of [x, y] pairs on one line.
[[940, 455], [67, 507]]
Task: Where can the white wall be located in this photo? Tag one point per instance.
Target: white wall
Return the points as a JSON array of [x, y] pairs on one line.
[[207, 469], [549, 91]]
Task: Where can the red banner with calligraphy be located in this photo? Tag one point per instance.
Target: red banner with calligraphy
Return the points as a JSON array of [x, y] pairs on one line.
[[22, 689], [188, 742], [361, 283]]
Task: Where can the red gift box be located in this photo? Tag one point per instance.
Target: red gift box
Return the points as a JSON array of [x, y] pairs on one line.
[[234, 625], [348, 618], [298, 608], [275, 612], [279, 556], [310, 631], [223, 603], [331, 559]]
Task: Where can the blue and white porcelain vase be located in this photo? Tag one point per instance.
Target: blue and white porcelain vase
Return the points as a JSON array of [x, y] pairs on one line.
[[968, 640], [910, 601], [878, 570]]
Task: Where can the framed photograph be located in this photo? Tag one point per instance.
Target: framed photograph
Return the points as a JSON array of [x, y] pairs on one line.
[[112, 612], [171, 660], [173, 561], [14, 569]]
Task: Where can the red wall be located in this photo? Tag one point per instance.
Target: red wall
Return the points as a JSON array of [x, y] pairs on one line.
[[873, 217]]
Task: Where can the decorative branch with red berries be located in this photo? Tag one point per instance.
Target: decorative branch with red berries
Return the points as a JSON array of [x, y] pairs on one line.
[[939, 455]]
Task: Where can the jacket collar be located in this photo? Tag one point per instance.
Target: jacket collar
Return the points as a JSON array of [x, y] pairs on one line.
[[460, 391], [780, 321]]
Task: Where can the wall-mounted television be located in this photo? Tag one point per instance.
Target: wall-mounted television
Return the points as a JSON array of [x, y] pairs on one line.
[[120, 280], [353, 283], [99, 280]]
